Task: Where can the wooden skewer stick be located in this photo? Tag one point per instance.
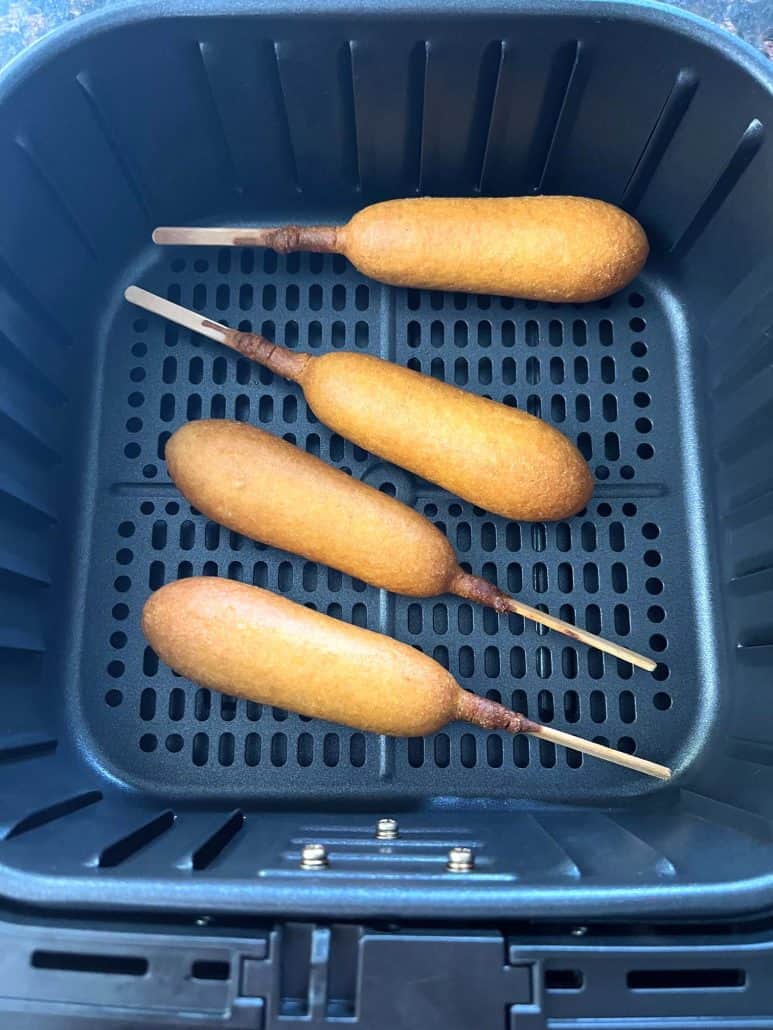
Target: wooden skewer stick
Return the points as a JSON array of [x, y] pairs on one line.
[[280, 239], [286, 363], [176, 313], [607, 754], [494, 716], [583, 636], [503, 602]]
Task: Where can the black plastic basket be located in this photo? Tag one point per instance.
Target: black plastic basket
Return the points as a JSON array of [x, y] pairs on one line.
[[124, 786]]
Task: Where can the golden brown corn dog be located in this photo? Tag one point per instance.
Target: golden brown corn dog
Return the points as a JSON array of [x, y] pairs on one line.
[[542, 248], [495, 456], [265, 488], [269, 490], [249, 642]]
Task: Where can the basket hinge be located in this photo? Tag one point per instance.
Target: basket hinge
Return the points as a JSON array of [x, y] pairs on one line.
[[318, 976]]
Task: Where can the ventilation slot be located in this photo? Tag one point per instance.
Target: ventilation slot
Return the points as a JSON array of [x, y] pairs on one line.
[[555, 106], [67, 214], [75, 962], [129, 845], [53, 812], [213, 848], [564, 980], [105, 125], [686, 979], [204, 969], [748, 145], [21, 752], [663, 132], [483, 120]]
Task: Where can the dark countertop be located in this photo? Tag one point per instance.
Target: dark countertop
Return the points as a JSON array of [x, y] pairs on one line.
[[22, 22]]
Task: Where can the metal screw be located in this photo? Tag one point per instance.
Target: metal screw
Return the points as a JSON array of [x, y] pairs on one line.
[[579, 931], [203, 920], [460, 860], [387, 829], [314, 856]]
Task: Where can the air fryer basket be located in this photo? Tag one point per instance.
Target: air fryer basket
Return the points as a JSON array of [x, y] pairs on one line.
[[123, 784]]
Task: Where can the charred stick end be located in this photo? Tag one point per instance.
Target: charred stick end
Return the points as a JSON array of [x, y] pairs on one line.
[[479, 590], [490, 715], [280, 360], [321, 239]]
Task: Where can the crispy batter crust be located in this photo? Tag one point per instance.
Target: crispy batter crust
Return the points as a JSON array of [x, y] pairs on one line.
[[269, 490], [497, 457], [544, 248], [253, 644]]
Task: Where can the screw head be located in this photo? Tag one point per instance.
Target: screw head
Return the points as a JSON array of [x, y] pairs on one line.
[[460, 860], [579, 931], [387, 829], [314, 856]]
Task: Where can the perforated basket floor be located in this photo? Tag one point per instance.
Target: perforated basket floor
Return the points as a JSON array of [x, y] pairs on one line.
[[606, 373]]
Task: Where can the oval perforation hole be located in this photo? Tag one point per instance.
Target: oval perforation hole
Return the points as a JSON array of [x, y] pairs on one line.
[[569, 663], [357, 750], [200, 749], [176, 704], [534, 405], [545, 706], [468, 751], [464, 618], [202, 704], [574, 758], [252, 749], [582, 407], [225, 750], [521, 751], [547, 754], [518, 667], [598, 706], [442, 750], [147, 705], [149, 663], [627, 705], [466, 662], [622, 619], [572, 706], [494, 752], [595, 665], [415, 749], [563, 536], [331, 750], [543, 663], [305, 750], [491, 662], [278, 751]]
